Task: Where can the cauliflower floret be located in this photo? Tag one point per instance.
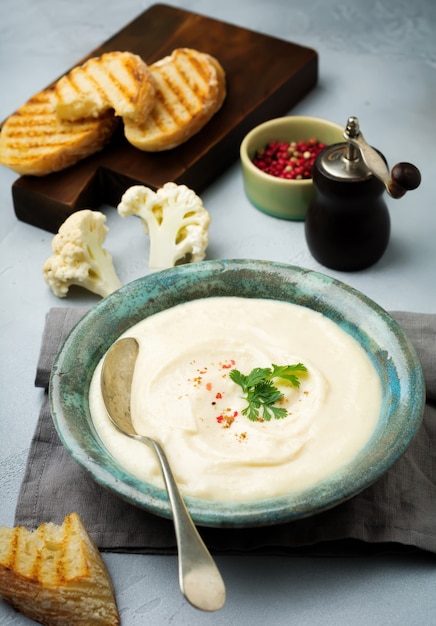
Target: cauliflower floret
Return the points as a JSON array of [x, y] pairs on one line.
[[175, 220], [79, 257]]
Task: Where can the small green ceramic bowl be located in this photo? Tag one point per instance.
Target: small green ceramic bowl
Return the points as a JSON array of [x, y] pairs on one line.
[[287, 199], [389, 349]]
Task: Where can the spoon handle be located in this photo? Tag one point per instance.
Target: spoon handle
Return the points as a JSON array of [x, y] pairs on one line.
[[200, 580]]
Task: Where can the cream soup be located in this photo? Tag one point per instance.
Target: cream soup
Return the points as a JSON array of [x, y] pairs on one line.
[[183, 396]]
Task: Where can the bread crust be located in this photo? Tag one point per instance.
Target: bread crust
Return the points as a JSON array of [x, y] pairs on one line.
[[190, 89], [56, 575], [120, 81], [33, 141]]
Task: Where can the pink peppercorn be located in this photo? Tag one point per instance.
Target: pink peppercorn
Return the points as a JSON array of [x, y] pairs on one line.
[[293, 161]]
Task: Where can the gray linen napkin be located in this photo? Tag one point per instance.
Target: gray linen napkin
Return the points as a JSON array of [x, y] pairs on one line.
[[397, 513]]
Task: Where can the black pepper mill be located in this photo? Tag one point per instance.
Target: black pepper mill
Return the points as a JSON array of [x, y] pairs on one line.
[[348, 225]]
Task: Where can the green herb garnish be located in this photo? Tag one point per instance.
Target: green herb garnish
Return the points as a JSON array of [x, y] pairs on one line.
[[260, 392]]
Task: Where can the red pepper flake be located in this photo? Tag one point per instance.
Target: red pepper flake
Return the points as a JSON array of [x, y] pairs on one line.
[[293, 161], [209, 386], [219, 396], [228, 364], [226, 418]]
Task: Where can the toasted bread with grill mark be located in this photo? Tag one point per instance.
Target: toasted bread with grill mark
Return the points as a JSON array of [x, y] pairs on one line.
[[120, 81], [33, 141], [190, 88], [56, 575]]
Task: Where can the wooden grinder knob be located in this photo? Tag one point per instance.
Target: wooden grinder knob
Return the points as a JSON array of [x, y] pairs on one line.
[[404, 177]]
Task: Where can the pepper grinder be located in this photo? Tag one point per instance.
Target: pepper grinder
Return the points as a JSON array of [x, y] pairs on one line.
[[348, 225]]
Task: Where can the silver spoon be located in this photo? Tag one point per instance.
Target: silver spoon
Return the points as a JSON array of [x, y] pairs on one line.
[[200, 581]]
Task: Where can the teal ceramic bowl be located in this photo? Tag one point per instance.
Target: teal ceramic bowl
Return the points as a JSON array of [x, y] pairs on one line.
[[375, 330], [278, 197]]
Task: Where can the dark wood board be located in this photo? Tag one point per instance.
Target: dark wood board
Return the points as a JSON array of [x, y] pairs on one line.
[[265, 78]]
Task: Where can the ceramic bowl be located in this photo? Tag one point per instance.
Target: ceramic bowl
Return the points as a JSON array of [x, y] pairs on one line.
[[375, 330], [287, 199]]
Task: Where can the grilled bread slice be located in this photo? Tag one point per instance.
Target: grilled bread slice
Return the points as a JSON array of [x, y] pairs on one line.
[[34, 141], [120, 81], [56, 575], [190, 88]]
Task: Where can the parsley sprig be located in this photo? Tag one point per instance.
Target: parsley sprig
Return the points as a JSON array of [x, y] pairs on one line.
[[261, 393]]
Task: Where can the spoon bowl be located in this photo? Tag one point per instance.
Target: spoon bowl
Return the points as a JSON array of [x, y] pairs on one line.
[[200, 580]]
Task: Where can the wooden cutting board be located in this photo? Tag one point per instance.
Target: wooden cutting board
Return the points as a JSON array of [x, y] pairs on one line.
[[265, 78]]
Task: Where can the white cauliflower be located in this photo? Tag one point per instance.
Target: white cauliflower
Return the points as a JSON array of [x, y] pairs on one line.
[[174, 218], [79, 257]]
